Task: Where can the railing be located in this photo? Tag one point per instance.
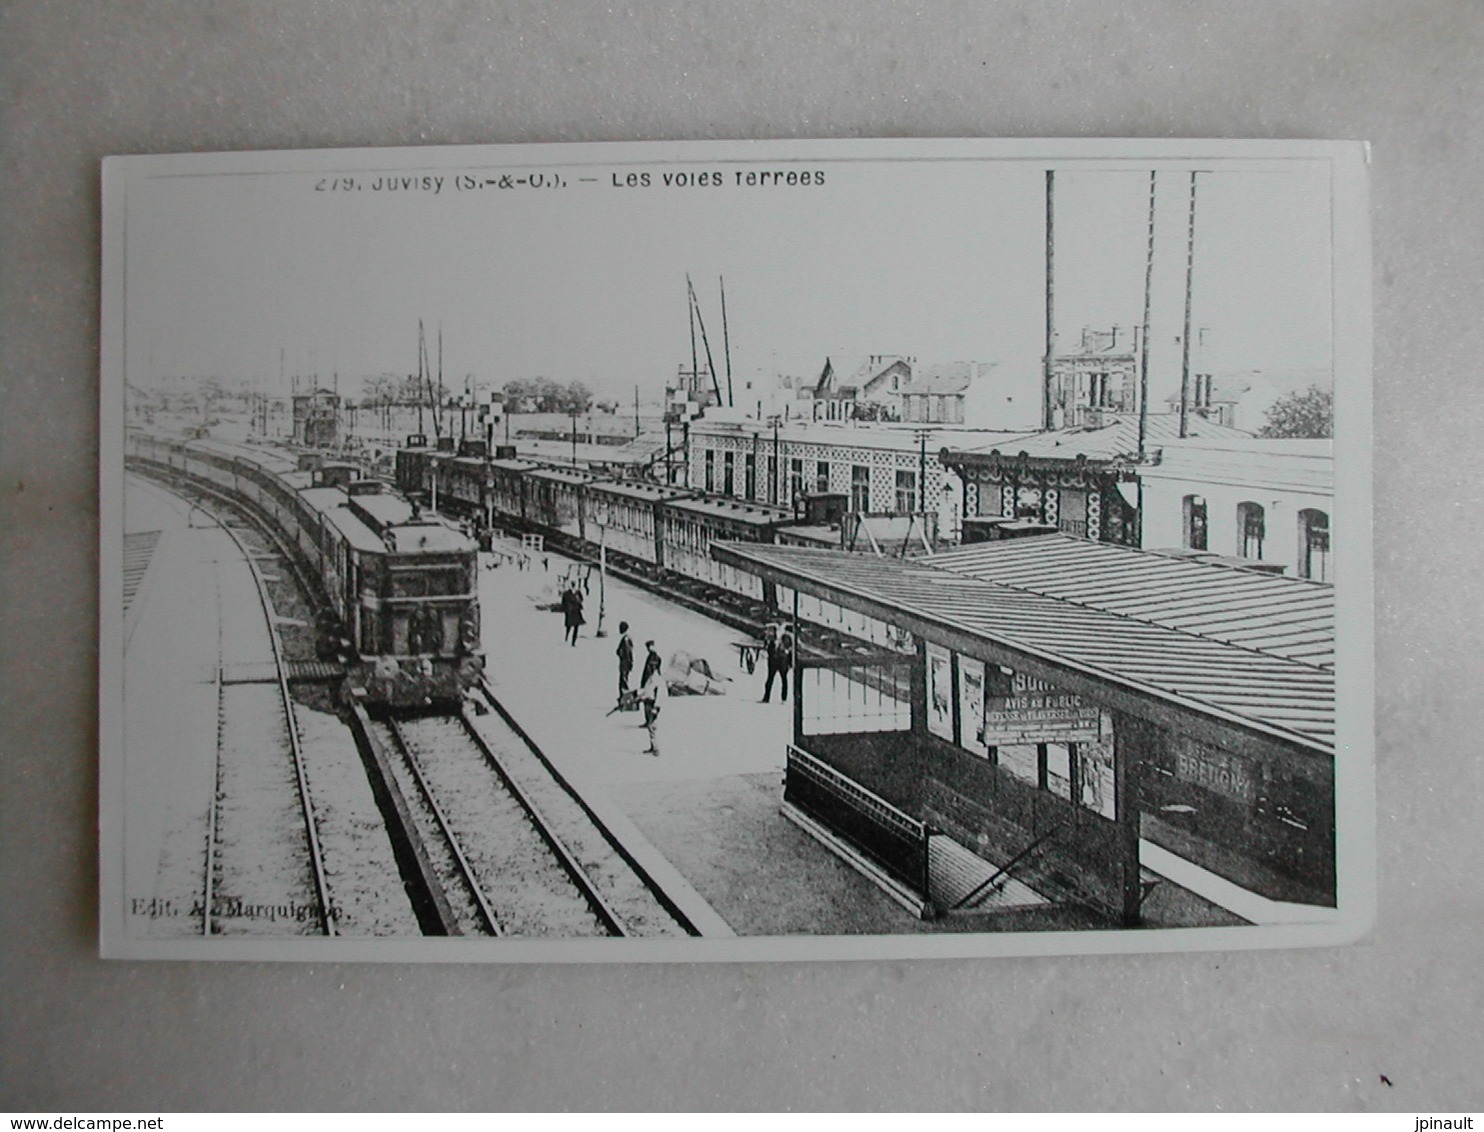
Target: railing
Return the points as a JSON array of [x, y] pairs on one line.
[[892, 839]]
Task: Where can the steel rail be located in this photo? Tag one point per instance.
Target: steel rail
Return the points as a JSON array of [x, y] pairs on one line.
[[574, 870], [664, 899], [321, 887], [486, 912]]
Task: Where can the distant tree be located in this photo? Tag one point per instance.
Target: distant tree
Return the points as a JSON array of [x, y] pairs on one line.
[[412, 390], [1306, 414], [579, 398], [380, 389]]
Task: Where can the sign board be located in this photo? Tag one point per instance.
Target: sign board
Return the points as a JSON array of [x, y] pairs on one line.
[[1020, 709], [1213, 769], [940, 692], [971, 704]]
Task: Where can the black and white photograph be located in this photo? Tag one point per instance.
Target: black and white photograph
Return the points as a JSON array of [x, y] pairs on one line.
[[752, 550]]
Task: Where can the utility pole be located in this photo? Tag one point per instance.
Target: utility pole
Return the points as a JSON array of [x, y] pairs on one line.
[[1047, 364], [726, 341], [777, 469], [1185, 338], [1144, 348], [922, 439]]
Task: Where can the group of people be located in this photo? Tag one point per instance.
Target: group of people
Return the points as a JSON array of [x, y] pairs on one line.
[[778, 644], [652, 688]]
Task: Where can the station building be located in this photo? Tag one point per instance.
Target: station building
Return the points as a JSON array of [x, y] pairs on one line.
[[1083, 481], [1264, 502], [877, 468], [1145, 739]]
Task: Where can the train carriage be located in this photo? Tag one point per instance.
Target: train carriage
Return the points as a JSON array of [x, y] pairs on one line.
[[625, 517], [554, 500], [690, 525], [401, 586], [507, 490]]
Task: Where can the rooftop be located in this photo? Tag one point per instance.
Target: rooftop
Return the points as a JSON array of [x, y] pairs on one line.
[[1116, 440], [1080, 645], [758, 514], [1288, 617]]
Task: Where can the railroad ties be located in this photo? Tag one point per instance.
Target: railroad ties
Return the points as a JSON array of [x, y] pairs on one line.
[[506, 848]]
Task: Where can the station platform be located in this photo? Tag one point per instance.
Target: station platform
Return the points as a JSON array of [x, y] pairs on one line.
[[191, 610], [709, 803]]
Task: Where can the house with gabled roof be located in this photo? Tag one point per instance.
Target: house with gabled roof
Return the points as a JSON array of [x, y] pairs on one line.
[[866, 388], [952, 393]]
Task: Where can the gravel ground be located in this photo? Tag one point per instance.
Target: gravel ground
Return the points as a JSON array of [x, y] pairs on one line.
[[528, 889], [365, 888], [613, 878], [263, 883], [426, 828]]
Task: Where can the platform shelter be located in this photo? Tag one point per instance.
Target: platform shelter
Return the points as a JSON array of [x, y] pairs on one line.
[[1063, 710]]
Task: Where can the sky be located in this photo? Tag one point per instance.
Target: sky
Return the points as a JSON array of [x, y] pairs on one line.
[[237, 275]]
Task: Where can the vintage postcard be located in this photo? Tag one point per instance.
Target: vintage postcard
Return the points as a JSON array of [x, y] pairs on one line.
[[736, 550]]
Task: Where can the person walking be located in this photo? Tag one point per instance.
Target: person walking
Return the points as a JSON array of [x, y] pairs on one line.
[[625, 659], [780, 646], [652, 692], [572, 613]]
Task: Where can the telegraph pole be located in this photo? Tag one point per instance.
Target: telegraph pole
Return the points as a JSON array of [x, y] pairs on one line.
[[1046, 374], [1144, 347], [1185, 339]]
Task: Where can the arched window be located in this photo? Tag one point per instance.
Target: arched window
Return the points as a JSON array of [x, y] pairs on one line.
[[1194, 508], [1251, 528], [1313, 544]]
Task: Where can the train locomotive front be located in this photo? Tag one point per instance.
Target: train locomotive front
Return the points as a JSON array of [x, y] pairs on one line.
[[411, 607]]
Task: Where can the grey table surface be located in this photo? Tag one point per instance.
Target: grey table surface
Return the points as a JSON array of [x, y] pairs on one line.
[[1393, 1023]]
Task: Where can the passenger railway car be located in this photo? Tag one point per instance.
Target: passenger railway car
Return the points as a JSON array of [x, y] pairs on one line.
[[658, 527], [402, 586], [690, 526]]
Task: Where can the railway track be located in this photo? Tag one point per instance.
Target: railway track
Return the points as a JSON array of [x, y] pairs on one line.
[[264, 865], [504, 847]]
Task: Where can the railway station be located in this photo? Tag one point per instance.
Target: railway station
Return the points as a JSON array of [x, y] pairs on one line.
[[1147, 737], [1031, 733]]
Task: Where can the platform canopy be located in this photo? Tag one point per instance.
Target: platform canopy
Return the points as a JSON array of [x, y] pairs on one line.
[[1194, 681], [1287, 617]]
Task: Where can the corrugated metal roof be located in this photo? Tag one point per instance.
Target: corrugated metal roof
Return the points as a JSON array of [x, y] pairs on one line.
[[1117, 440], [1270, 693], [1288, 617]]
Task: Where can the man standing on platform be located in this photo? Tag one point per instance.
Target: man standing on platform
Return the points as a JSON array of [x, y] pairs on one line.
[[572, 613], [780, 645], [625, 659], [651, 691]]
